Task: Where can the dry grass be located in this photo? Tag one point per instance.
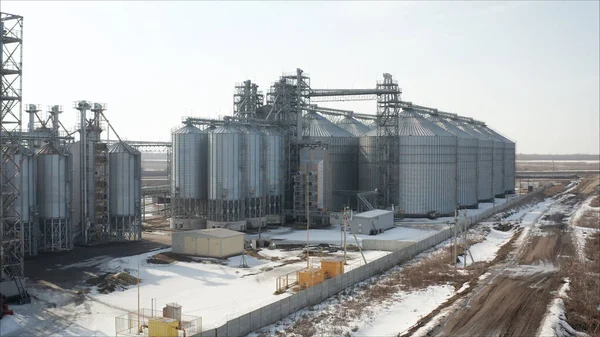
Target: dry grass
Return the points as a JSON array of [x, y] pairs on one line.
[[554, 190], [595, 202], [589, 219], [581, 306]]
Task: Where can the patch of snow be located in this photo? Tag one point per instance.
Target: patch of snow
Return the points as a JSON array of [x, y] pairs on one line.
[[487, 250], [91, 262], [464, 287], [554, 322], [9, 326], [406, 312]]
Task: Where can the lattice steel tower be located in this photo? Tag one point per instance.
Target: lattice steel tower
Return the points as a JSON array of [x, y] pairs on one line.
[[388, 111], [247, 99], [11, 231]]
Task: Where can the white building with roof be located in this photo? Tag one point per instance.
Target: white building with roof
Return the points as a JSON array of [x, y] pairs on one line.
[[372, 222], [214, 242]]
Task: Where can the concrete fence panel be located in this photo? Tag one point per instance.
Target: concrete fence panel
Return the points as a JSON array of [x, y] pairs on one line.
[[284, 305], [233, 327], [314, 294], [209, 333], [245, 324], [222, 331], [302, 299], [256, 320], [294, 303]]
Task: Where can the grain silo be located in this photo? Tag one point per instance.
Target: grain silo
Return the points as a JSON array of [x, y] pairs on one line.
[[367, 162], [509, 161], [54, 183], [124, 192], [485, 150], [253, 176], [426, 167], [273, 164], [498, 160], [342, 148], [189, 177], [225, 187], [25, 205], [353, 126], [467, 162]]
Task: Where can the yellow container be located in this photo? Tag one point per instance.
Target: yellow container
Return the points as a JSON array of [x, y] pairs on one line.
[[162, 327], [310, 276], [332, 266]]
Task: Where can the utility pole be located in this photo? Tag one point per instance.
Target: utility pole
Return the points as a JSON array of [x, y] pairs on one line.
[[455, 224], [345, 226], [259, 217], [307, 221]]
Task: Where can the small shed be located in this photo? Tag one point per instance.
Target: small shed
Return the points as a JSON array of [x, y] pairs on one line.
[[372, 222], [214, 242]]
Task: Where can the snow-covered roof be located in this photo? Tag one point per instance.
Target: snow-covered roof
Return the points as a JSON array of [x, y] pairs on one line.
[[212, 232], [372, 214]]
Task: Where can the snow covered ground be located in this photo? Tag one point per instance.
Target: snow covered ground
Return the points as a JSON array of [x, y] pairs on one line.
[[214, 291], [409, 309]]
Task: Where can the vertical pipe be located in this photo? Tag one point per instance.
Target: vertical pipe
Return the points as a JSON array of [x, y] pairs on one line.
[[307, 221]]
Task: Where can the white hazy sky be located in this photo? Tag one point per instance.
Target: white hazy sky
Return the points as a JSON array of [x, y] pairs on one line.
[[528, 69]]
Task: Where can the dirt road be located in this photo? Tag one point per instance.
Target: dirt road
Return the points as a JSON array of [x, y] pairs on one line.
[[512, 301]]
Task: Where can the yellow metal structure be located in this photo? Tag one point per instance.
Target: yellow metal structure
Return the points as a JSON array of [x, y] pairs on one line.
[[332, 267], [308, 277], [163, 327]]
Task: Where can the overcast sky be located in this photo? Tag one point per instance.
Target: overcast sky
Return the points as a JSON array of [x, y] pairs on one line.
[[528, 69]]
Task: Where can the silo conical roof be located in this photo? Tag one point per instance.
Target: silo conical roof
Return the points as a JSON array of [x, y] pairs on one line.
[[319, 126], [123, 147], [188, 128], [449, 126], [353, 126], [412, 123]]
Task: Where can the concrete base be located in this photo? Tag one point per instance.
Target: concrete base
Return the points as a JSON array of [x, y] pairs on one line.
[[274, 219], [255, 222], [193, 223], [239, 226], [9, 288]]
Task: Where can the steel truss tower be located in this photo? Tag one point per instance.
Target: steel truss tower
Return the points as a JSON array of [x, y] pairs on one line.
[[247, 99], [289, 98], [11, 231], [388, 111]]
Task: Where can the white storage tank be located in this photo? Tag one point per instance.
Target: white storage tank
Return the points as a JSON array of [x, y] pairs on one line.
[[273, 167]]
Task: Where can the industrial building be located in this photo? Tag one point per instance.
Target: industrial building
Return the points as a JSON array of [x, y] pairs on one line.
[[372, 222], [315, 160], [214, 242]]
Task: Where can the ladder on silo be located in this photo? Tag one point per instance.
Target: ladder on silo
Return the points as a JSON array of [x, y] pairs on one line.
[[101, 188]]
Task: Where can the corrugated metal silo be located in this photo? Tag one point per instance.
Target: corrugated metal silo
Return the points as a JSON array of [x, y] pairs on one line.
[[189, 177], [25, 206], [509, 161], [367, 161], [125, 171], [498, 161], [342, 147], [353, 126], [466, 160], [189, 157], [273, 168], [225, 168], [485, 151], [253, 177], [427, 167], [54, 198]]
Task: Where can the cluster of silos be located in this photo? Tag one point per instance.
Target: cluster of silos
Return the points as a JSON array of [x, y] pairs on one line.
[[443, 163], [342, 148], [227, 176], [124, 192]]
